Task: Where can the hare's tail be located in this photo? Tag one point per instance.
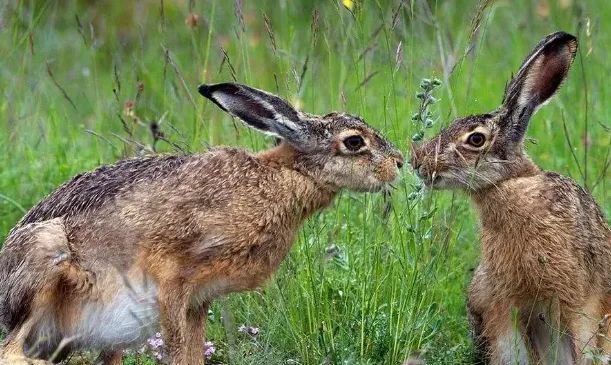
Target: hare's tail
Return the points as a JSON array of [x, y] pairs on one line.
[[34, 260]]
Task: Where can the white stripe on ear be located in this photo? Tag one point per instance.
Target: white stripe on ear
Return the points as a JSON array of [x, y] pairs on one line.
[[278, 118], [529, 84], [259, 109]]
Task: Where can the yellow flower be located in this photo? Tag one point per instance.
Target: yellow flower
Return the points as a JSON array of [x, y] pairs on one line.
[[348, 4]]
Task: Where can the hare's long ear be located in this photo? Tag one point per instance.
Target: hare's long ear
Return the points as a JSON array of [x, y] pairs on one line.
[[259, 109], [538, 79]]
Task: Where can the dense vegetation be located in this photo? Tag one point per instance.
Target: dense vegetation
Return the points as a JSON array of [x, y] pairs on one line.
[[370, 280]]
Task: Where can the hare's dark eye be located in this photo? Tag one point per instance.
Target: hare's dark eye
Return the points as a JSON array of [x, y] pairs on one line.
[[354, 143], [476, 139]]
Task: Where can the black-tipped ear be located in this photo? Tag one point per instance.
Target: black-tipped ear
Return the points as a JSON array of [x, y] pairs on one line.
[[539, 78], [257, 108]]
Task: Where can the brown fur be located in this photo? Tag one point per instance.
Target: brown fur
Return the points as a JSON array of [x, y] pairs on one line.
[[546, 245], [184, 229]]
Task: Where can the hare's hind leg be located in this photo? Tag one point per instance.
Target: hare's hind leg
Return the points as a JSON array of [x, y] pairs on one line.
[[12, 352], [109, 357], [34, 260]]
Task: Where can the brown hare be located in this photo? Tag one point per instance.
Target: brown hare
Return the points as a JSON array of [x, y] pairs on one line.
[[147, 243], [543, 288]]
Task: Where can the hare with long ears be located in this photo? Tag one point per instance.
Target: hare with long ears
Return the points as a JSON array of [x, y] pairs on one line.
[[542, 290], [116, 253]]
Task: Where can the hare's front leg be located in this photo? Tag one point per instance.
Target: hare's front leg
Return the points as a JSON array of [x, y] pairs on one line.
[[479, 295], [589, 331], [183, 326], [196, 329], [507, 344], [495, 336], [604, 339], [173, 304]]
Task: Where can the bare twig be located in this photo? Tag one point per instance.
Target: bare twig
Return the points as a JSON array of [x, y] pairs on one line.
[[568, 141], [64, 93], [395, 15], [101, 137], [162, 16], [304, 69], [117, 89], [62, 344], [125, 127], [31, 41], [607, 162], [367, 79], [81, 29], [369, 48], [13, 202], [586, 126], [182, 80], [139, 91], [605, 169], [231, 69]]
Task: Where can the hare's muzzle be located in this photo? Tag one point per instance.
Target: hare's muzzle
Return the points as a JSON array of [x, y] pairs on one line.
[[417, 161], [414, 156], [399, 160]]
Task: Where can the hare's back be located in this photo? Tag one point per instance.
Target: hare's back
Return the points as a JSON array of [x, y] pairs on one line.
[[569, 200], [92, 190]]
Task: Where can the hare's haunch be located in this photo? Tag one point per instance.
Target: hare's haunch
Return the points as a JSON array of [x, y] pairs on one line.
[[542, 287], [117, 253]]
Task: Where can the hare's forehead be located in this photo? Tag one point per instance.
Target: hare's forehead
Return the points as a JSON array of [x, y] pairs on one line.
[[338, 122], [468, 124]]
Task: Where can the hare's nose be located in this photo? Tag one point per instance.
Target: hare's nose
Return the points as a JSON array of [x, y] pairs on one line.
[[416, 165], [399, 159], [399, 162]]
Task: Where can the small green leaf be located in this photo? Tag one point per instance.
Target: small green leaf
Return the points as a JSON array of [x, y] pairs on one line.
[[418, 136]]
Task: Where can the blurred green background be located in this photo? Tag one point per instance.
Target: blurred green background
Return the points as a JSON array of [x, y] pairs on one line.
[[83, 82]]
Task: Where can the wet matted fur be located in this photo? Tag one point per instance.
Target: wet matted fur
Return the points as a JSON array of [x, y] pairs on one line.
[[541, 292], [146, 243]]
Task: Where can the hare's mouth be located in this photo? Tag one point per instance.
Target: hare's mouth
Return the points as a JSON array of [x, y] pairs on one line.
[[438, 181], [429, 180], [444, 182], [375, 188], [434, 180]]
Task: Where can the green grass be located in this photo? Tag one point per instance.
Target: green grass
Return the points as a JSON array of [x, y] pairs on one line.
[[357, 288]]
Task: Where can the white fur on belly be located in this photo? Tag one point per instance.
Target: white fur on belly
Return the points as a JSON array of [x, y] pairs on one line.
[[128, 319], [127, 315]]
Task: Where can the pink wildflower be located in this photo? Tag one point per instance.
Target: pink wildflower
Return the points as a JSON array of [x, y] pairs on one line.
[[209, 349]]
